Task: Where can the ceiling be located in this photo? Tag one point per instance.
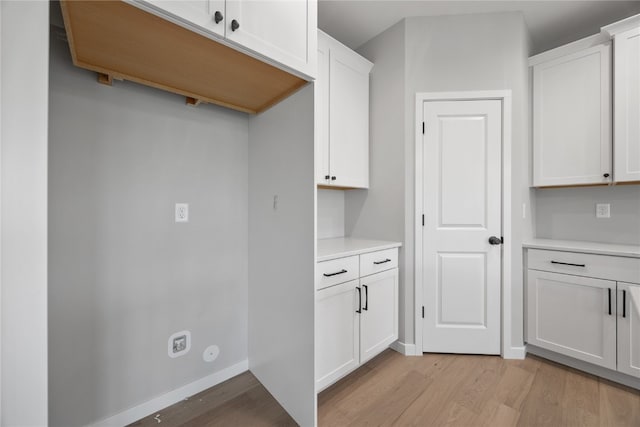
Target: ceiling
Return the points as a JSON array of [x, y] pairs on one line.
[[550, 23]]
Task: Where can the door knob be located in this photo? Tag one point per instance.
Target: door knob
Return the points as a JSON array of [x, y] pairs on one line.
[[495, 240]]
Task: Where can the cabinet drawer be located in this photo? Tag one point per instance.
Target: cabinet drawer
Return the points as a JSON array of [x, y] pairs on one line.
[[329, 273], [587, 265], [374, 262]]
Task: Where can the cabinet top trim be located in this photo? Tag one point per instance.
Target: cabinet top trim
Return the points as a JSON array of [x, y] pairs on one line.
[[568, 49], [631, 251], [621, 26]]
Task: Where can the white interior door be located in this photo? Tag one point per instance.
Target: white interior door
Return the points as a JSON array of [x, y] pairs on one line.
[[462, 169]]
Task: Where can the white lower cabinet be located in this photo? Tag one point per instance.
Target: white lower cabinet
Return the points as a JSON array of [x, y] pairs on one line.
[[571, 315], [379, 317], [357, 319], [337, 332], [629, 329], [583, 306]]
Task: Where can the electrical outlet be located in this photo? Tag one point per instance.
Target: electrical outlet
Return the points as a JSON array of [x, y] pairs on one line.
[[179, 344], [603, 210], [182, 212]]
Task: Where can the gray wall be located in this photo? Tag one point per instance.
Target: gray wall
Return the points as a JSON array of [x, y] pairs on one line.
[[437, 54], [570, 213], [123, 276], [378, 213], [24, 46], [330, 213], [282, 241]]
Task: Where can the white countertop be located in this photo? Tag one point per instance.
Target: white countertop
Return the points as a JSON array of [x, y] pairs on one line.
[[346, 246], [632, 251]]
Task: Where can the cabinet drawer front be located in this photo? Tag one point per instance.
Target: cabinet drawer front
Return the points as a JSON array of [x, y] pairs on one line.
[[587, 265], [329, 273], [374, 262]]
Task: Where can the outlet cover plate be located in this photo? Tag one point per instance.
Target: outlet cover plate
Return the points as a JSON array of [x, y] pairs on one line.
[[182, 212], [603, 210], [179, 344]]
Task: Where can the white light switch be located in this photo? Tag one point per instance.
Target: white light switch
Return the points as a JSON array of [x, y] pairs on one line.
[[182, 212], [603, 210]]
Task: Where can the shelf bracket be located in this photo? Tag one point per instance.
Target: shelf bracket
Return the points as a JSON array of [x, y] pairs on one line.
[[194, 102], [105, 79]]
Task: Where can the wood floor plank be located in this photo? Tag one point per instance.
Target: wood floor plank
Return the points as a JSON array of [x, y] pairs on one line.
[[432, 390], [619, 406], [543, 405]]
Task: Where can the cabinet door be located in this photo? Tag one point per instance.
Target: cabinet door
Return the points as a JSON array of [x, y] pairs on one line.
[[284, 31], [572, 119], [629, 329], [572, 315], [322, 111], [348, 118], [627, 106], [379, 318], [337, 331], [200, 13]]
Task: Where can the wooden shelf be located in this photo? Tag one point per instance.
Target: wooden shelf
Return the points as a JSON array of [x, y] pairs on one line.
[[121, 41]]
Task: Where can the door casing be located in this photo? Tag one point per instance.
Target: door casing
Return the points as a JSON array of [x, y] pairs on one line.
[[504, 96]]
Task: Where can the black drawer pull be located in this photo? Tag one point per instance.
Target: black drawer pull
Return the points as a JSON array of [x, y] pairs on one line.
[[335, 274], [609, 289], [366, 297], [624, 303], [568, 263], [359, 310], [381, 262]]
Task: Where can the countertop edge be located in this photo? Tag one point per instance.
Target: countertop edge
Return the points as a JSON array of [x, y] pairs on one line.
[[376, 246], [628, 251]]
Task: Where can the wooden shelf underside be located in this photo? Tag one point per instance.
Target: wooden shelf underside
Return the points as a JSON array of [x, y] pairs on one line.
[[126, 43]]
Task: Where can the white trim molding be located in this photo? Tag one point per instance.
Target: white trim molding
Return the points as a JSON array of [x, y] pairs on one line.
[[621, 26], [160, 402], [405, 349], [507, 350]]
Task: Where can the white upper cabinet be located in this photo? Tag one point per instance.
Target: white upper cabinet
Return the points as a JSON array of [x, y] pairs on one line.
[[208, 14], [343, 115], [572, 116], [626, 107], [281, 32]]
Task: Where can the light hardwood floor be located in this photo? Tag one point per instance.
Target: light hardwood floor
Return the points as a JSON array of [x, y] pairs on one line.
[[433, 390]]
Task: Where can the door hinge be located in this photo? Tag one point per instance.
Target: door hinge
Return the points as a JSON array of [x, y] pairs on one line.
[[423, 220], [423, 311], [423, 128]]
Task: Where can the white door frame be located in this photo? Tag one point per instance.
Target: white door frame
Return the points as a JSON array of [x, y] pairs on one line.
[[506, 319]]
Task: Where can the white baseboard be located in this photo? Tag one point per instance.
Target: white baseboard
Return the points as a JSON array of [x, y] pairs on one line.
[[515, 353], [406, 349], [160, 402]]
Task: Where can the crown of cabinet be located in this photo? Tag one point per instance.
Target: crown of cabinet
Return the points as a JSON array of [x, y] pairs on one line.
[[342, 116], [585, 133], [210, 50]]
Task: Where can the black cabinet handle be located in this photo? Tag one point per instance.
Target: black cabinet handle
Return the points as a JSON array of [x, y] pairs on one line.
[[568, 263], [609, 289], [333, 178], [335, 274], [366, 298], [624, 303], [359, 310], [234, 25], [327, 177], [217, 17], [606, 175], [381, 262]]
